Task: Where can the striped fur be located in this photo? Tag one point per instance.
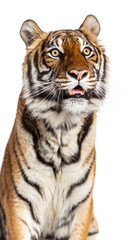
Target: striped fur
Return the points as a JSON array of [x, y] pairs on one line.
[[47, 176]]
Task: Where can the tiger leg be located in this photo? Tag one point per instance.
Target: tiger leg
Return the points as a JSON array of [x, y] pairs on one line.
[[93, 229], [81, 222], [17, 221]]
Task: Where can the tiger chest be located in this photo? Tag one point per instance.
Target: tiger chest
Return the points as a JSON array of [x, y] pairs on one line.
[[58, 148], [58, 169], [61, 170]]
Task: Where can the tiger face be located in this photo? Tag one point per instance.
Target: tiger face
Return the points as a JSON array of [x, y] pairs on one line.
[[64, 70]]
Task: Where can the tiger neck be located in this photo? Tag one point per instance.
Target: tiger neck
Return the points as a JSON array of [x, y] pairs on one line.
[[58, 139], [52, 115]]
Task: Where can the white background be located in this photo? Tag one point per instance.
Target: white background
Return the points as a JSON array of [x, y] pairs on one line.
[[114, 192]]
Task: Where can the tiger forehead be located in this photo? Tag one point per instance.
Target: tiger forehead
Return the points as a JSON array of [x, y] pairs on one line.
[[64, 36], [65, 33]]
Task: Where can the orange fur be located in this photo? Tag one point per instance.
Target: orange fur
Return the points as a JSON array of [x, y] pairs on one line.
[[23, 153]]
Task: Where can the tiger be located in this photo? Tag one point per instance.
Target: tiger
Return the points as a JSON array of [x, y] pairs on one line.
[[48, 172]]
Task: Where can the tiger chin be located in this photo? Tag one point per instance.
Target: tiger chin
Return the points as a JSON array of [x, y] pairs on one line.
[[47, 176]]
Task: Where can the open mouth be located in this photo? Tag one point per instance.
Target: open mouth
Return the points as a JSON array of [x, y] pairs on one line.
[[77, 90]]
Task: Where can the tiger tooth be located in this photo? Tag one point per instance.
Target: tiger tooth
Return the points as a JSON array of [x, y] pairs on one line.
[[71, 92], [76, 91], [83, 92]]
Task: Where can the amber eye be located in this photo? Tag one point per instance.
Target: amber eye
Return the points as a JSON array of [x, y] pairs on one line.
[[86, 51], [55, 53]]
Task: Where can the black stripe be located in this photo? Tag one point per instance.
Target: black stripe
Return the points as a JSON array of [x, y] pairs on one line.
[[94, 60], [45, 42], [45, 64], [97, 72], [40, 74], [2, 223], [85, 35], [98, 50], [63, 238], [82, 180], [53, 109], [75, 206], [30, 126], [36, 64], [105, 68], [24, 175], [29, 74], [49, 236], [92, 233], [73, 159], [36, 60], [2, 237], [24, 199], [29, 123], [85, 128], [65, 222], [57, 35], [81, 136], [53, 73], [49, 145], [43, 161], [43, 54], [20, 195], [49, 128], [51, 44], [3, 213], [34, 238]]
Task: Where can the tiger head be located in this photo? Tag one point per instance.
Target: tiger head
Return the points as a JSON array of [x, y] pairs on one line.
[[64, 70]]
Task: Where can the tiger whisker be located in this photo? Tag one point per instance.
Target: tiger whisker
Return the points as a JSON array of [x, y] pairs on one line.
[[36, 90], [91, 85], [62, 82], [40, 91], [53, 92]]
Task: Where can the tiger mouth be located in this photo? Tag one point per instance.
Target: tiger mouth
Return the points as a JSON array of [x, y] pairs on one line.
[[77, 92]]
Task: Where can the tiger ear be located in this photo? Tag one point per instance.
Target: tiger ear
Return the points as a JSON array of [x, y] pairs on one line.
[[30, 32], [91, 24]]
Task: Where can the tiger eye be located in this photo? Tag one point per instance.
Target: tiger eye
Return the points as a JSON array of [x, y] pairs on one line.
[[86, 51], [55, 53]]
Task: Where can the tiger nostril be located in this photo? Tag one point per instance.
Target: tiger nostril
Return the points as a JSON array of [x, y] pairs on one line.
[[85, 74], [74, 75], [78, 74]]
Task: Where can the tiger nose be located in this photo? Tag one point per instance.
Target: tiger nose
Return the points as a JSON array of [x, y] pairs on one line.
[[78, 74]]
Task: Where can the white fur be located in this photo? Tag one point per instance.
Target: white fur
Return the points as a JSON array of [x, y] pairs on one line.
[[54, 205]]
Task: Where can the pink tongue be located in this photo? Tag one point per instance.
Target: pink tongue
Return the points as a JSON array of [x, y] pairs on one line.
[[76, 91]]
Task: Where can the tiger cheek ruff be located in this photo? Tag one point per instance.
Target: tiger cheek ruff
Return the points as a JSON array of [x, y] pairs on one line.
[[47, 176]]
